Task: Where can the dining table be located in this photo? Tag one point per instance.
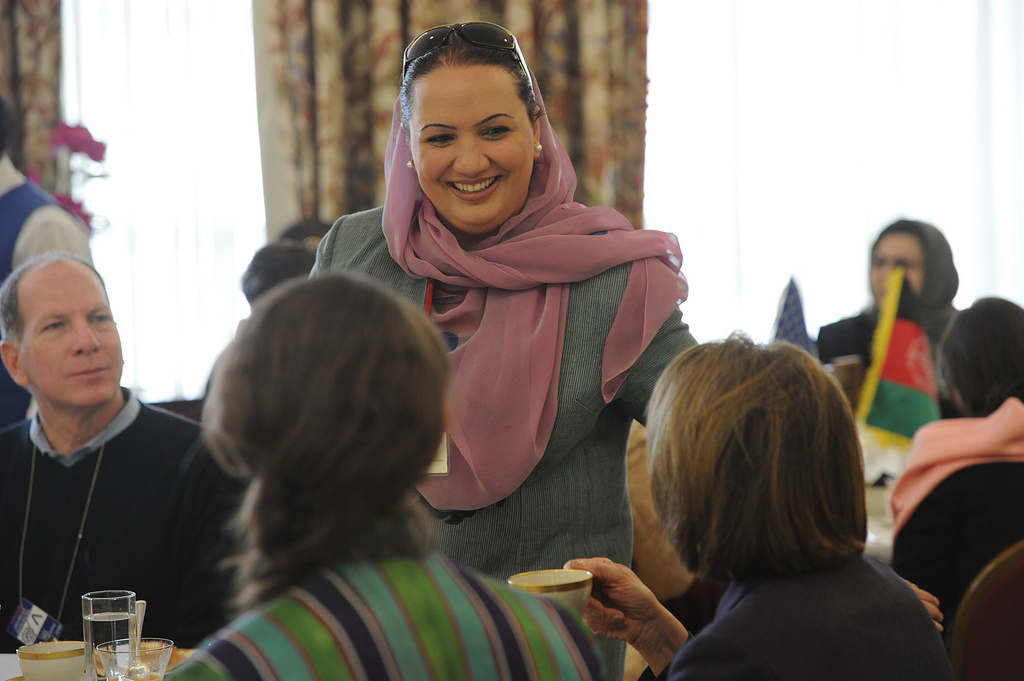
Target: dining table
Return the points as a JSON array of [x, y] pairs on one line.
[[9, 667], [884, 461]]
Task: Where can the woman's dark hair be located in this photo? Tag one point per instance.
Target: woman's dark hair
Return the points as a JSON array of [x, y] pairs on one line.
[[982, 356], [331, 399], [458, 52], [911, 227], [275, 263], [756, 467], [304, 229]]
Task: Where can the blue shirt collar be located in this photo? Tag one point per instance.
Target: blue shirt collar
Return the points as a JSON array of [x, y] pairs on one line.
[[118, 425]]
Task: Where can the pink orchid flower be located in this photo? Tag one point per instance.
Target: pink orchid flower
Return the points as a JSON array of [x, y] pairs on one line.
[[77, 138]]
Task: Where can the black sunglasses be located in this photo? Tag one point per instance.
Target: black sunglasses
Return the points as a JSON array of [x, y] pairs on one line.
[[479, 33]]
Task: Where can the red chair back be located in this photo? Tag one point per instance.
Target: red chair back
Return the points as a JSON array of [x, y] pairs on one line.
[[987, 642]]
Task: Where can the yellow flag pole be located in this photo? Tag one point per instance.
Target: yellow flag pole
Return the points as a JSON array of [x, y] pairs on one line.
[[880, 341]]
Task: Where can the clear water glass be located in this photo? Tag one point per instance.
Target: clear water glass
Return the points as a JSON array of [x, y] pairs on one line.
[[106, 616]]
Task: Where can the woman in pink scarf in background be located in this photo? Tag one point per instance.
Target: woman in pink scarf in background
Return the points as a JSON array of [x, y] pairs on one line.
[[958, 502], [559, 317]]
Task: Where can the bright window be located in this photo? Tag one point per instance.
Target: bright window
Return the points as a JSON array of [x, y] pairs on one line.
[[170, 86], [782, 136]]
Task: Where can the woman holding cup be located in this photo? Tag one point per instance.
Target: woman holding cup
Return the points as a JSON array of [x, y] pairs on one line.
[[758, 480]]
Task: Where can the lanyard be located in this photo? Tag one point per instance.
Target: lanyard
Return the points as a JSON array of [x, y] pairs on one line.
[[440, 464], [81, 527]]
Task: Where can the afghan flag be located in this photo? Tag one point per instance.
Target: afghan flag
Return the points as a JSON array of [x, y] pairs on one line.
[[899, 394]]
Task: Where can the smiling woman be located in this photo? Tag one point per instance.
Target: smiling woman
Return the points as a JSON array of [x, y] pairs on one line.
[[473, 164], [559, 317]]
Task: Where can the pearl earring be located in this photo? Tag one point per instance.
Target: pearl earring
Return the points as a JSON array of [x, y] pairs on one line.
[[409, 165], [537, 148]]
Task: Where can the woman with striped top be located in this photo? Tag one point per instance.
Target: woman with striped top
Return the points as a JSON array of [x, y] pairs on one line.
[[331, 401]]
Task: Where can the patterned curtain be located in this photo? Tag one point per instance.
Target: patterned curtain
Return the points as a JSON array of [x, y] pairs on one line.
[[30, 59], [334, 68]]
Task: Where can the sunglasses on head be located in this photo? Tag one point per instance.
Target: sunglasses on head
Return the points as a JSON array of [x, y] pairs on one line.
[[479, 33]]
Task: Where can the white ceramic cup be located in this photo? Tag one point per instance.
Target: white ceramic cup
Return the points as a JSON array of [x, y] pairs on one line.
[[52, 661], [571, 588]]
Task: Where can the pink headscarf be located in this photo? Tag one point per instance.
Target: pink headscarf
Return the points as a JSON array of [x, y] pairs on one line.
[[941, 448], [506, 302]]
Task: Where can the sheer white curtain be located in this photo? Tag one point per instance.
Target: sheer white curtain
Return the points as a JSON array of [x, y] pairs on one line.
[[170, 86], [783, 135]]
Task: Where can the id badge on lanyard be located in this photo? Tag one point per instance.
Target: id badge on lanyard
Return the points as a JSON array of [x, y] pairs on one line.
[[439, 466], [32, 624]]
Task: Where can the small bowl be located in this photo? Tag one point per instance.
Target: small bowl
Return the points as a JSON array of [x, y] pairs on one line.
[[52, 661], [571, 588], [115, 656]]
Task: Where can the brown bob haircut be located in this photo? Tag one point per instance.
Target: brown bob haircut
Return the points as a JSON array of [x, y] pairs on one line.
[[331, 399], [756, 465]]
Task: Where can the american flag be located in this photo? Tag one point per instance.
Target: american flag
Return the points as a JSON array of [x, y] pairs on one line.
[[789, 324]]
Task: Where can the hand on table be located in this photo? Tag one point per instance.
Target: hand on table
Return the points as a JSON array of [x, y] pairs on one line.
[[623, 608]]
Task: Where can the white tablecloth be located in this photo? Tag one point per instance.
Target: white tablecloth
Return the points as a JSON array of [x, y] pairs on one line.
[[9, 667]]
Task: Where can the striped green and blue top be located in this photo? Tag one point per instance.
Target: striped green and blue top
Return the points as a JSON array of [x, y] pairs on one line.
[[400, 617]]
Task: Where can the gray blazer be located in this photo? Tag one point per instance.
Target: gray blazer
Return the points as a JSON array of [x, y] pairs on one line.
[[575, 503]]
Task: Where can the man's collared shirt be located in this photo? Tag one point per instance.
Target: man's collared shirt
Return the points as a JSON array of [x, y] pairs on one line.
[[118, 425]]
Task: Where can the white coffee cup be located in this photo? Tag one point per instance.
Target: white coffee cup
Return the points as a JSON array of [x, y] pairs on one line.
[[571, 588]]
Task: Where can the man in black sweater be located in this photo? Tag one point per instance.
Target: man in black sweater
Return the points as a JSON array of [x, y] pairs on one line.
[[99, 491]]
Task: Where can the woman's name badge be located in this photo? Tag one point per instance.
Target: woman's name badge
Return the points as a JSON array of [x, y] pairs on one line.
[[439, 466], [31, 623]]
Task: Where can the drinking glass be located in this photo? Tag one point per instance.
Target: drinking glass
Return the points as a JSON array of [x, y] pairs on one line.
[[106, 616], [121, 664]]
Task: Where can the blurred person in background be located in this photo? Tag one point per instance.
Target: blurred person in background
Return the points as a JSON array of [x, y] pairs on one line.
[[308, 232], [31, 223], [958, 503], [922, 250], [275, 263]]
